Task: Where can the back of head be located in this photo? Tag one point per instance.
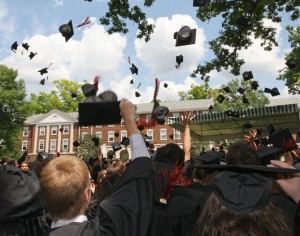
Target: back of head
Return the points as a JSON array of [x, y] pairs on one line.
[[107, 186], [63, 181], [117, 167], [170, 153], [241, 153]]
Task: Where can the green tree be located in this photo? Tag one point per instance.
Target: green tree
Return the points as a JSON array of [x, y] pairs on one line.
[[291, 76], [241, 22], [87, 147], [59, 98], [13, 111], [196, 92]]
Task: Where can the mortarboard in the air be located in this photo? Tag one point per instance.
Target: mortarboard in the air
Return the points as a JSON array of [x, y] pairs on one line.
[[14, 46], [227, 89], [76, 143], [25, 45], [179, 59], [137, 94], [67, 30], [283, 139], [32, 54], [199, 3], [61, 129], [247, 126], [88, 90], [254, 85], [134, 69], [210, 157], [42, 82], [247, 75], [161, 112], [185, 36], [74, 95], [245, 100], [117, 134], [211, 107], [131, 81], [241, 90], [220, 98], [140, 127], [274, 92], [267, 90], [166, 85], [291, 63], [96, 141], [171, 136], [88, 0], [43, 71], [116, 146], [125, 141]]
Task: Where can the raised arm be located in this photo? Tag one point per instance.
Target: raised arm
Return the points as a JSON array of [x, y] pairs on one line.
[[186, 120]]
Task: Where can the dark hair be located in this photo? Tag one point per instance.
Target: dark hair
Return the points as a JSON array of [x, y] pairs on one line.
[[107, 186], [215, 219], [170, 153], [241, 153]]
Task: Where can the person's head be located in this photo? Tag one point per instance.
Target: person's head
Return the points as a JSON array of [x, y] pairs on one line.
[[241, 153], [24, 166], [116, 166], [107, 186], [13, 163], [170, 153], [65, 185]]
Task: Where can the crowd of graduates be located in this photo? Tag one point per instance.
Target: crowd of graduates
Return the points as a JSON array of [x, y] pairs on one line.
[[232, 191]]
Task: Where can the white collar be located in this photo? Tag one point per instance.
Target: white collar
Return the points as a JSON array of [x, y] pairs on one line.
[[59, 223]]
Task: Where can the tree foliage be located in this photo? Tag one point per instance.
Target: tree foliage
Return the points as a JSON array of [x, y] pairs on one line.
[[13, 111], [241, 22], [87, 147], [196, 92], [292, 76], [60, 98]]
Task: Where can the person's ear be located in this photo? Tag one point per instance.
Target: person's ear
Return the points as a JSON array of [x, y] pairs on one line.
[[87, 195]]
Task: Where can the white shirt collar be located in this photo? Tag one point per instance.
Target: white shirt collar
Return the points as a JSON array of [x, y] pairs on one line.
[[59, 223]]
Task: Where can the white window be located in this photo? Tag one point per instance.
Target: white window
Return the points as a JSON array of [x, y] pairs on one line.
[[111, 136], [53, 145], [83, 135], [150, 134], [66, 129], [54, 130], [111, 125], [123, 134], [98, 135], [176, 134], [42, 130], [163, 134], [41, 145], [65, 145], [171, 120], [25, 131], [24, 145], [98, 126]]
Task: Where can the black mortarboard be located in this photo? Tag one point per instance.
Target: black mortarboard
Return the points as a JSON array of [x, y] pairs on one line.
[[76, 143], [283, 139], [61, 129], [42, 82], [245, 100], [291, 63], [67, 30], [41, 156], [131, 81], [88, 0], [137, 94], [31, 55], [199, 3], [117, 134], [271, 129], [220, 98], [141, 127], [185, 36], [211, 157], [74, 95], [274, 92], [254, 85], [88, 90], [171, 136], [247, 126], [227, 89], [116, 146], [96, 141], [165, 85], [134, 69], [125, 141], [247, 75], [266, 154], [25, 45], [267, 90], [179, 59], [14, 46], [43, 71], [161, 112], [241, 90], [211, 107]]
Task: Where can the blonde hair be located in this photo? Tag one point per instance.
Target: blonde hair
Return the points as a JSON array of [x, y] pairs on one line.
[[63, 182]]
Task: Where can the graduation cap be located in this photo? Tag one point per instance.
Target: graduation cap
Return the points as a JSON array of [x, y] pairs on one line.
[[166, 85], [125, 141], [32, 54], [74, 95], [241, 90], [134, 69], [247, 126], [171, 136], [179, 60], [291, 63], [137, 94], [220, 98], [14, 46], [76, 143], [42, 82], [199, 3], [43, 71], [247, 75], [245, 100], [274, 92], [283, 139], [254, 85], [117, 134], [61, 129], [185, 36], [161, 112], [116, 146], [211, 107], [131, 81], [227, 89], [67, 30], [88, 90], [96, 141], [25, 45], [266, 154], [140, 127], [211, 157]]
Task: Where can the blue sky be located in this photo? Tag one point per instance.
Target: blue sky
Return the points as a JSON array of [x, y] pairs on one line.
[[91, 51]]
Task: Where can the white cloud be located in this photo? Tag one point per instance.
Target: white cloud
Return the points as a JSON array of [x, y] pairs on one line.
[[59, 2]]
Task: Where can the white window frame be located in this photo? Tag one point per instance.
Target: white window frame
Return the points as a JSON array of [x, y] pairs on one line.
[[98, 126], [177, 134], [41, 145], [110, 125], [110, 136], [42, 130], [51, 145], [66, 129], [123, 134], [174, 115], [163, 134], [24, 145], [54, 130], [25, 131], [98, 135], [150, 134], [65, 142]]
